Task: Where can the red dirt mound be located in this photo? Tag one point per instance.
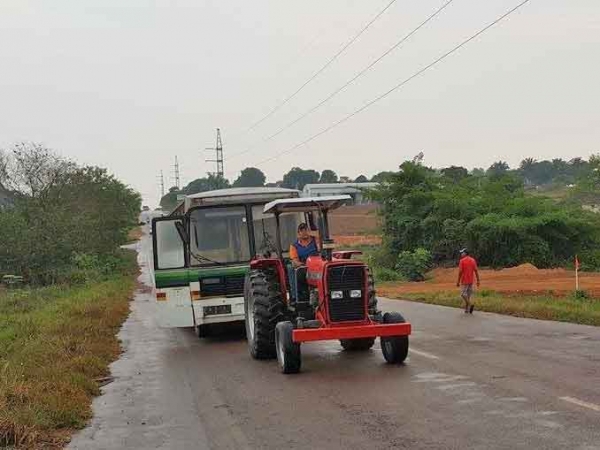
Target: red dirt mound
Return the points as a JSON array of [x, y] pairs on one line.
[[523, 279]]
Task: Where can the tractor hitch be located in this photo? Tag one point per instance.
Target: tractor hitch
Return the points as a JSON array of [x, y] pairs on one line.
[[351, 332]]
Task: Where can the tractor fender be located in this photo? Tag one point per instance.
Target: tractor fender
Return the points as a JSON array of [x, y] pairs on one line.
[[277, 265]]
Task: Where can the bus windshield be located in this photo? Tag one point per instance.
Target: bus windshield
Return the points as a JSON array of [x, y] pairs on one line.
[[219, 235], [265, 230]]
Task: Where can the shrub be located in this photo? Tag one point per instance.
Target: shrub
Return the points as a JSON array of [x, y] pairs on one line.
[[383, 274], [414, 265], [590, 260]]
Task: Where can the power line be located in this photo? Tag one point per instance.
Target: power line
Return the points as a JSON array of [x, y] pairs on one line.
[[318, 72], [399, 85], [352, 80]]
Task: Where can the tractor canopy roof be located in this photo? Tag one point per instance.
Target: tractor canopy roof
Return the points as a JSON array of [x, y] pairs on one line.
[[303, 204]]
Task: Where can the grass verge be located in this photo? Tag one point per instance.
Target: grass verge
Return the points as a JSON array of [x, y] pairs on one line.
[[135, 234], [55, 344], [563, 309]]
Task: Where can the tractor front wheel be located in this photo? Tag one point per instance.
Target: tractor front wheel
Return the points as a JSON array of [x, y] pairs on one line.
[[288, 352], [394, 348], [357, 345]]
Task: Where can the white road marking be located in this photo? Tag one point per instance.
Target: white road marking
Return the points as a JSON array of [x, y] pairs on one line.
[[423, 354], [436, 377], [548, 424], [581, 403], [514, 399], [447, 387]]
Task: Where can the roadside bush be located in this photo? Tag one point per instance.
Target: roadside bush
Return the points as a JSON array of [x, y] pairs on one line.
[[589, 260], [383, 274], [64, 222], [414, 265], [491, 215]]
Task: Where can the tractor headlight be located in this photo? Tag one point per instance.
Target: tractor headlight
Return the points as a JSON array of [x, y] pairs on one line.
[[355, 293], [337, 295]]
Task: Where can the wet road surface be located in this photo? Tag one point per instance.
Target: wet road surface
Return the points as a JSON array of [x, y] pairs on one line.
[[471, 382]]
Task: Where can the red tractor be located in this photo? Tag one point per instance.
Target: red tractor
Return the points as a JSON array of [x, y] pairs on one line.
[[333, 296]]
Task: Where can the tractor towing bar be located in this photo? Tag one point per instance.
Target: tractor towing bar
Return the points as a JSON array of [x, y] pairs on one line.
[[351, 332]]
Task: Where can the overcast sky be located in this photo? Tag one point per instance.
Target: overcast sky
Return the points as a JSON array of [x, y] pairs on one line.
[[129, 84]]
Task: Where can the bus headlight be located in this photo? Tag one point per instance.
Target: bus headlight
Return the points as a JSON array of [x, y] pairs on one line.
[[355, 293], [337, 295]]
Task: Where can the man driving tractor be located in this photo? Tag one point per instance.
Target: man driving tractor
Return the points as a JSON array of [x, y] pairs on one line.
[[305, 246]]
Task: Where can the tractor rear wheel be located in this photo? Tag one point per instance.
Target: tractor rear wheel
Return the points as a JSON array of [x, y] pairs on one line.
[[357, 345], [289, 356], [264, 306], [394, 348]]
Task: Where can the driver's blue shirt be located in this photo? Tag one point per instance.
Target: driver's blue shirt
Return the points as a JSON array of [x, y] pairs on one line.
[[301, 250]]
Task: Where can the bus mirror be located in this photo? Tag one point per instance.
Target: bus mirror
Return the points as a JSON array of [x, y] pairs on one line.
[[183, 234]]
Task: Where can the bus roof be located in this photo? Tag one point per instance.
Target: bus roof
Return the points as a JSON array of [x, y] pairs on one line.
[[234, 195], [244, 191]]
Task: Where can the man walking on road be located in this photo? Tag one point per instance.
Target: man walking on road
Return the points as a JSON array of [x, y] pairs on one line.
[[467, 272]]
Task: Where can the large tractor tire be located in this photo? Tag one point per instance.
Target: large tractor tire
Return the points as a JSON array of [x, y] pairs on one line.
[[289, 356], [372, 305], [264, 306], [394, 348], [357, 345]]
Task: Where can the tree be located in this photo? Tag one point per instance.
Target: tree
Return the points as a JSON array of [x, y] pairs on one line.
[[209, 183], [455, 173], [32, 170], [381, 176], [250, 177], [297, 178], [328, 176], [526, 169], [491, 215], [344, 179], [62, 213], [478, 172], [497, 169], [361, 179]]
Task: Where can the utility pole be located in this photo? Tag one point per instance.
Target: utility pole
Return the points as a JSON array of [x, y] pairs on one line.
[[177, 175], [218, 149], [162, 184]]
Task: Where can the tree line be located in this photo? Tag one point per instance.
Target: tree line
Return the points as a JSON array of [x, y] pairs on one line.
[[60, 221], [490, 213], [531, 172], [296, 178]]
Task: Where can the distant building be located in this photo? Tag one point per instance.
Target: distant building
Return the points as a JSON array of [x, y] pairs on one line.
[[354, 190]]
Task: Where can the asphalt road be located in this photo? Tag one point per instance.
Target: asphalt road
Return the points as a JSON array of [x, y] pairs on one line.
[[471, 382]]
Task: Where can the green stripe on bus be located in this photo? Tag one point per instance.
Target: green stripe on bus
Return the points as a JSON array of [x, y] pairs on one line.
[[183, 277]]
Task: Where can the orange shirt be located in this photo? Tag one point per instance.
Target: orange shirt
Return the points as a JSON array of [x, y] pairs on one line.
[[467, 267]]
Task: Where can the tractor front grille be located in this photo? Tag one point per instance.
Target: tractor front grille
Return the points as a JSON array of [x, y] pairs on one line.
[[228, 286], [346, 279]]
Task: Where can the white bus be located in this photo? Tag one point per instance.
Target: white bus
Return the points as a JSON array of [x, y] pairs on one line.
[[202, 253]]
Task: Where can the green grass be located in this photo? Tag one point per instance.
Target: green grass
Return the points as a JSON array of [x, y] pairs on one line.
[[563, 309], [55, 342]]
